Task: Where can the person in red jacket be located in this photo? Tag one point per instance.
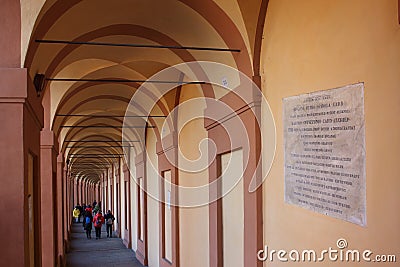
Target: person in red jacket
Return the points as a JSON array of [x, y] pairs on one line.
[[98, 221]]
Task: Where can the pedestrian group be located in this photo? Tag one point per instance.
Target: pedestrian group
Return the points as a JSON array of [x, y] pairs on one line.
[[93, 217]]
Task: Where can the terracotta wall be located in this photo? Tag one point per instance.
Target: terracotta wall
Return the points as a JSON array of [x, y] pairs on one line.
[[314, 45]]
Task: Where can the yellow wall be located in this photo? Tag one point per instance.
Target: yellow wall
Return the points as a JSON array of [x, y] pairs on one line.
[[193, 222], [121, 181], [153, 230], [133, 205], [314, 45], [167, 216], [232, 209]]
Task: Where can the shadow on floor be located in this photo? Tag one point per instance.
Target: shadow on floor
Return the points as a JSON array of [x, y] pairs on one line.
[[108, 252]]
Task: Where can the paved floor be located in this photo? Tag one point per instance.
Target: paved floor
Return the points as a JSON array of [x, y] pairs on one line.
[[108, 252]]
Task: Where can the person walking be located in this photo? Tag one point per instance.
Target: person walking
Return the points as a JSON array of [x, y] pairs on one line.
[[89, 208], [98, 221], [96, 209], [87, 222], [80, 212], [83, 213], [109, 218], [87, 212], [88, 226], [76, 213]]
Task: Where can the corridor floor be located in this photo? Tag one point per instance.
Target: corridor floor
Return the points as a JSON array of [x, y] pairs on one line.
[[108, 252]]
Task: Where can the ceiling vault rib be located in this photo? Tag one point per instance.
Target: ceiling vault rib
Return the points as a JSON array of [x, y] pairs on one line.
[[92, 169], [104, 126], [109, 116], [214, 49], [121, 81], [99, 141], [90, 164], [94, 157], [97, 146], [97, 154]]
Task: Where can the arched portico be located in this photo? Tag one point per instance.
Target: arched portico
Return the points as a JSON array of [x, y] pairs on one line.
[[65, 140]]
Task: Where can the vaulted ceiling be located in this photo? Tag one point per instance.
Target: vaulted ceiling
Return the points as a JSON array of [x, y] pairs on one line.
[[96, 53]]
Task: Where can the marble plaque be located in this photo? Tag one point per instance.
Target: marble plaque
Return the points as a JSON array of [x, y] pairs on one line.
[[324, 140]]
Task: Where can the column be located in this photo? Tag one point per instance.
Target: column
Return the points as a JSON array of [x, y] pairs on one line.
[[60, 209], [83, 191], [21, 120], [96, 192], [91, 192], [127, 238], [104, 192], [81, 194], [87, 197], [221, 131], [48, 146], [112, 187], [75, 194], [100, 191], [169, 216], [71, 190], [66, 206], [141, 202], [87, 191]]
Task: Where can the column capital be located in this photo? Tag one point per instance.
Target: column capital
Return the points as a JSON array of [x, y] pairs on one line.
[[16, 87], [13, 84], [48, 140], [60, 158]]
